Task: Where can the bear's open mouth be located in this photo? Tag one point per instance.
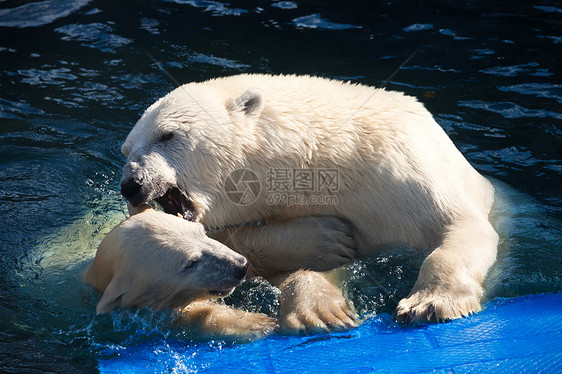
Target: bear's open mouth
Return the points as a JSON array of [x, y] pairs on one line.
[[176, 202]]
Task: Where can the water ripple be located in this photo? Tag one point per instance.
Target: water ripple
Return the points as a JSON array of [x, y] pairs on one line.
[[548, 9], [216, 8], [510, 110], [39, 13], [219, 61], [514, 70], [418, 27], [546, 90], [53, 76], [12, 110], [315, 21], [285, 5], [150, 25], [94, 35]]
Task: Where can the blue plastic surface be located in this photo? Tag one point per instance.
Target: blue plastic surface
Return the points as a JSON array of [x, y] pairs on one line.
[[514, 335]]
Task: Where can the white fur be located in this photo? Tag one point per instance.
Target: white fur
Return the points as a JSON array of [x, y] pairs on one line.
[[160, 261], [401, 178]]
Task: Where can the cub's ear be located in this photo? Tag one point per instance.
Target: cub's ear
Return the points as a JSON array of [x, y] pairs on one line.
[[250, 103], [112, 295]]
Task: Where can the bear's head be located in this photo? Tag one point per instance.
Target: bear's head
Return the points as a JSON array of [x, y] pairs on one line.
[[186, 144], [161, 261]]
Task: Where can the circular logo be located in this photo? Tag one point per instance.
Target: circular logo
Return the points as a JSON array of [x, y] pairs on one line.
[[242, 187]]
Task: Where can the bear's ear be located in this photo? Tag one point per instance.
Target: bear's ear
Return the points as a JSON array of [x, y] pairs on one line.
[[112, 295], [126, 148], [250, 103]]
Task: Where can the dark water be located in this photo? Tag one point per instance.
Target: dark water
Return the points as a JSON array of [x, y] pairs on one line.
[[76, 75]]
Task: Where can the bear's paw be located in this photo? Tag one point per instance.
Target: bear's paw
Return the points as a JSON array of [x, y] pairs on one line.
[[312, 304], [431, 306]]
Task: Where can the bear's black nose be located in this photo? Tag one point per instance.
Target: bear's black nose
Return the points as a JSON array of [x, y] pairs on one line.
[[240, 272], [130, 188]]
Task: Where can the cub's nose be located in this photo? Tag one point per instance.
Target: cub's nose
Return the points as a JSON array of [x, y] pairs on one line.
[[130, 188], [240, 271]]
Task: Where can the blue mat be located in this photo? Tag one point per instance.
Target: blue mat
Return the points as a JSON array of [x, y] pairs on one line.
[[522, 334]]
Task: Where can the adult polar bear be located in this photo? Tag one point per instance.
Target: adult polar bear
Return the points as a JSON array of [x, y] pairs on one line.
[[401, 181]]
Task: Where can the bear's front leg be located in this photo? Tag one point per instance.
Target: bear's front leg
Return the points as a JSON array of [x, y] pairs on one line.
[[311, 303], [317, 243], [449, 284], [222, 321]]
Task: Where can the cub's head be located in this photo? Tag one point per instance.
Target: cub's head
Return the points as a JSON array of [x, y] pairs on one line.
[[185, 144], [161, 261]]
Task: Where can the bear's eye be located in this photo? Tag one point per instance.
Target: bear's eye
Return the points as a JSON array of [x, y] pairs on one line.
[[188, 265], [166, 136]]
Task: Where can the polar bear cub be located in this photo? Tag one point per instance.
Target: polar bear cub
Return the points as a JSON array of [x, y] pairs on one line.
[[160, 261]]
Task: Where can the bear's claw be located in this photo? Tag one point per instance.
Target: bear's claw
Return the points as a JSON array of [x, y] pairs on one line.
[[430, 312]]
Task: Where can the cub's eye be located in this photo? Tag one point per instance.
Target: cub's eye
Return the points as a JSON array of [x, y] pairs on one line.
[[188, 265], [166, 136]]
